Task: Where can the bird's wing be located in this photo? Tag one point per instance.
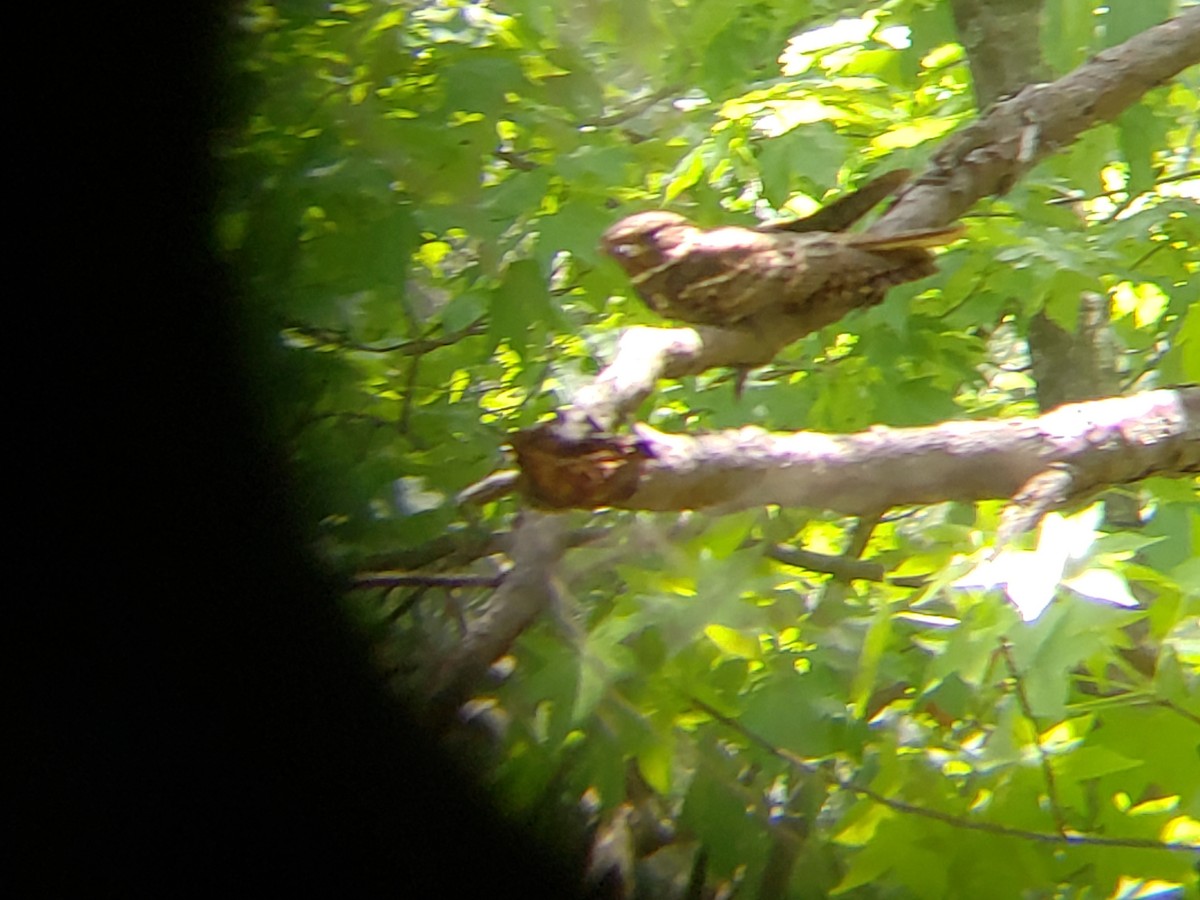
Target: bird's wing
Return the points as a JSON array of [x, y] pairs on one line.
[[731, 273]]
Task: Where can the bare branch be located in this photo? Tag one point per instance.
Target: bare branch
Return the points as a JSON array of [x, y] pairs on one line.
[[415, 347], [1027, 711], [493, 487], [1045, 491], [634, 109], [1103, 442], [529, 588], [422, 579], [1067, 839], [842, 567]]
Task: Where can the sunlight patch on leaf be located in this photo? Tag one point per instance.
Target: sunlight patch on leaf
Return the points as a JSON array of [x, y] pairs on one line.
[[787, 114], [862, 829], [1102, 584], [1156, 806], [804, 48], [929, 620], [982, 800], [1146, 889], [684, 587], [1145, 301], [687, 173], [411, 496], [1031, 578], [915, 133], [944, 55], [733, 642], [1182, 830]]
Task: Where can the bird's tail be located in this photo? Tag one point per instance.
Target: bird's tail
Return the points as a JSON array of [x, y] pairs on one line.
[[847, 209]]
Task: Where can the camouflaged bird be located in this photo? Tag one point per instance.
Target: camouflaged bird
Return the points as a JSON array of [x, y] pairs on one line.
[[750, 277]]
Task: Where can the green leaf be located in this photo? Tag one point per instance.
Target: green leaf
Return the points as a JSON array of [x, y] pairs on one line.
[[1139, 136], [1092, 762], [519, 303], [1125, 18], [733, 642], [792, 713], [686, 174], [815, 152]]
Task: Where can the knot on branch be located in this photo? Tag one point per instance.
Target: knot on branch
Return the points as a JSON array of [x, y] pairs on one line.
[[560, 472]]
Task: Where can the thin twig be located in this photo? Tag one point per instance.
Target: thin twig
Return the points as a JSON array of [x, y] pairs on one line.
[[947, 818], [422, 579], [1027, 711], [410, 383], [842, 567], [1166, 179], [414, 347], [861, 535], [634, 109]]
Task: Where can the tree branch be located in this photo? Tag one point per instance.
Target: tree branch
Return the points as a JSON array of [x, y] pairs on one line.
[[422, 579], [1027, 711], [843, 567], [308, 336], [1102, 442], [985, 158], [528, 589], [845, 784], [990, 155]]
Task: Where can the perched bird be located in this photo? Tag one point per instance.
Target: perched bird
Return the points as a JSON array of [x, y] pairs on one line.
[[735, 276]]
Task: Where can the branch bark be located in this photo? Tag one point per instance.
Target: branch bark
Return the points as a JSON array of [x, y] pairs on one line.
[[990, 155], [529, 589], [1102, 442]]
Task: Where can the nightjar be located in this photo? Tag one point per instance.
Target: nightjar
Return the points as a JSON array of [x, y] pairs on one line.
[[734, 276]]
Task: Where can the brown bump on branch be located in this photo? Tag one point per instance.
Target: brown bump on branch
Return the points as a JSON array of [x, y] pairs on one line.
[[1042, 493], [559, 473]]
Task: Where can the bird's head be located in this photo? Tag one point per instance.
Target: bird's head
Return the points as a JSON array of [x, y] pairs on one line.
[[643, 241]]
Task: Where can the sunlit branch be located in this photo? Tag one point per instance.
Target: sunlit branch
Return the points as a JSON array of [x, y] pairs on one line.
[[991, 154]]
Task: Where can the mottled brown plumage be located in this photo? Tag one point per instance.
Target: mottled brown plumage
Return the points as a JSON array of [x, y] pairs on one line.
[[742, 276]]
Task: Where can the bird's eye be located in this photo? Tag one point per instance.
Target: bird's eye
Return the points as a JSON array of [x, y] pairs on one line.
[[630, 250]]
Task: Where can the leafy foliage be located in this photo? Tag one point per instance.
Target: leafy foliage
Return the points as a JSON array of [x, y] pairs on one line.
[[414, 201]]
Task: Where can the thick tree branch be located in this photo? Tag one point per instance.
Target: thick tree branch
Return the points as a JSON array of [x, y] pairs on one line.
[[576, 462], [1003, 43], [1102, 442], [529, 588], [991, 154]]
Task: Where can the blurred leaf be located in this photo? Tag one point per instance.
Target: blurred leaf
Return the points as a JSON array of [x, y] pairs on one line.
[[521, 302], [1139, 136], [733, 642]]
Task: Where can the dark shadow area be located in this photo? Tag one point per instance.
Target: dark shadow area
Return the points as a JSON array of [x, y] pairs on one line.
[[213, 722]]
